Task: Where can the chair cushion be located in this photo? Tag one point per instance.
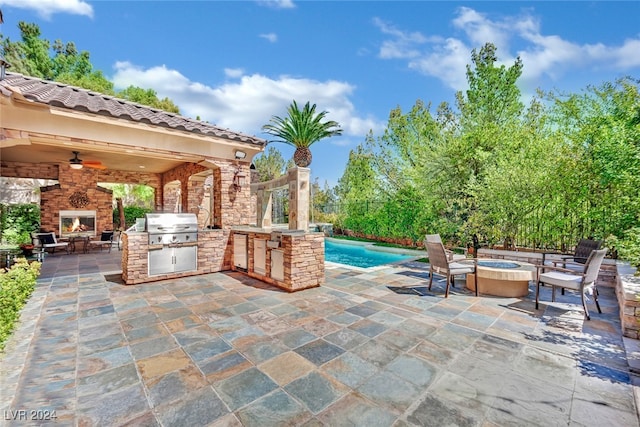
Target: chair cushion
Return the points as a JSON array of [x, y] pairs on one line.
[[557, 278], [47, 239], [458, 268], [106, 236]]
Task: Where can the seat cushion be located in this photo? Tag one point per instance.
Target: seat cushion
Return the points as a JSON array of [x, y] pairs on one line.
[[47, 238], [458, 268], [557, 278], [106, 236]]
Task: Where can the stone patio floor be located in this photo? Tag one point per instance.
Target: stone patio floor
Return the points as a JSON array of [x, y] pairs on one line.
[[226, 350]]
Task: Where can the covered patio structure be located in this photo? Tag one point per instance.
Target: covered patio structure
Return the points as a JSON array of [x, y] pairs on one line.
[[186, 162], [80, 139]]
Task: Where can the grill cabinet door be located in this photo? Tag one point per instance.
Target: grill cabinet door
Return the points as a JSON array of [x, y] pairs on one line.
[[277, 264], [260, 256], [240, 251], [185, 258], [160, 261]]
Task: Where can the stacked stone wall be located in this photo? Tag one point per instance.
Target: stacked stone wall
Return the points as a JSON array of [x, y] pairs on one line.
[[55, 198], [628, 294], [28, 170], [213, 256], [303, 260]]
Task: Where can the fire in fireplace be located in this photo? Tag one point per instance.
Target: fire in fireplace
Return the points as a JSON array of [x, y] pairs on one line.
[[74, 223]]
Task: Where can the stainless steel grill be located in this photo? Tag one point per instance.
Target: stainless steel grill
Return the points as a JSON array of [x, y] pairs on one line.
[[173, 240], [171, 228]]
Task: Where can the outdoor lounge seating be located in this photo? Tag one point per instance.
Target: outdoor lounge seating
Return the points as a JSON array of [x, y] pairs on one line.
[[439, 263], [582, 281], [106, 241], [47, 241]]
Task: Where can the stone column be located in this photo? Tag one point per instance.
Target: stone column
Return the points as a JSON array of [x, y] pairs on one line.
[[299, 193]]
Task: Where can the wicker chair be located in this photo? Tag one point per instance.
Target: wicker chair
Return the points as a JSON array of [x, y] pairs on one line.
[[583, 281], [435, 238], [439, 263], [581, 253]]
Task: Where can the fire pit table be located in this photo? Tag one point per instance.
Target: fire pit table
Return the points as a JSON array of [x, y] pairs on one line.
[[502, 278]]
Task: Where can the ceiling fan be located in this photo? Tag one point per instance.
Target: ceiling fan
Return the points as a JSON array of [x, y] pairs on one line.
[[77, 163]]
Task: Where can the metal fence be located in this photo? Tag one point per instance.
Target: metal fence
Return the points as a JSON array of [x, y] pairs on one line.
[[557, 228]]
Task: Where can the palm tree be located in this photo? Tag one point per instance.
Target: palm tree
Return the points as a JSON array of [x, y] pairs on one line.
[[301, 129]]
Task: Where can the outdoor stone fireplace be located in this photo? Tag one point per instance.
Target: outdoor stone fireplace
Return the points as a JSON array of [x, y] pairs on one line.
[[77, 222]]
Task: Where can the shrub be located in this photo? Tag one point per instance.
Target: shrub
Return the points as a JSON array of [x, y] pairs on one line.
[[18, 221], [16, 286], [629, 247], [130, 215]]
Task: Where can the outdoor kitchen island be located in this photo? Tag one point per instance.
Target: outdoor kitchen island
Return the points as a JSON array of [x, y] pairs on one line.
[[294, 263], [289, 259], [179, 251]]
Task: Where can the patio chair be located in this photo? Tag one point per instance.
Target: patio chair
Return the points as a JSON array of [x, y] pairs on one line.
[[46, 241], [106, 241], [439, 263], [581, 253], [435, 238], [582, 281], [117, 238]]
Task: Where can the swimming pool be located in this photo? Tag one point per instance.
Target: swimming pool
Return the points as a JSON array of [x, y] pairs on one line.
[[358, 255]]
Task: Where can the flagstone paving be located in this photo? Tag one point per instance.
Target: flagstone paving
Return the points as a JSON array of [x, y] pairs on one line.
[[223, 350]]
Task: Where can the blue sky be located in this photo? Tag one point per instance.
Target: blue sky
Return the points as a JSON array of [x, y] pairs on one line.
[[238, 63]]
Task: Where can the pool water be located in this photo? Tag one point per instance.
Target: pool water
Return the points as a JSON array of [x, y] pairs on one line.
[[498, 264], [358, 256]]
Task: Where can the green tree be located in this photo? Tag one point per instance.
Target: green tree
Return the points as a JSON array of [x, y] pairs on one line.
[[301, 129], [31, 56], [323, 202], [62, 62], [271, 165], [148, 97], [489, 112], [133, 194], [358, 193], [600, 129]]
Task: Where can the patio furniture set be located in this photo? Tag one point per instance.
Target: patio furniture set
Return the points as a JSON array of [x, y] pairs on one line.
[[45, 243], [80, 243], [507, 278]]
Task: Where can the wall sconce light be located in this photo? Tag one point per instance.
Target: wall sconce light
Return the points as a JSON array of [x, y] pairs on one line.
[[240, 154], [239, 179]]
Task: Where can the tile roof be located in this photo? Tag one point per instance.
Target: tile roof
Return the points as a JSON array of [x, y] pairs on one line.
[[63, 95]]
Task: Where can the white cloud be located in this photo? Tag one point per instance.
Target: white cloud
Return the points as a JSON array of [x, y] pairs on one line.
[[277, 4], [272, 37], [401, 45], [626, 56], [445, 58], [247, 104], [233, 73], [481, 30], [46, 8]]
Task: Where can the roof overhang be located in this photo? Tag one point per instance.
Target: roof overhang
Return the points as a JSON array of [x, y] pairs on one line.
[[34, 132]]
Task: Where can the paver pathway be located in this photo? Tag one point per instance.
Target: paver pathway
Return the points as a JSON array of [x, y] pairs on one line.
[[226, 350]]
